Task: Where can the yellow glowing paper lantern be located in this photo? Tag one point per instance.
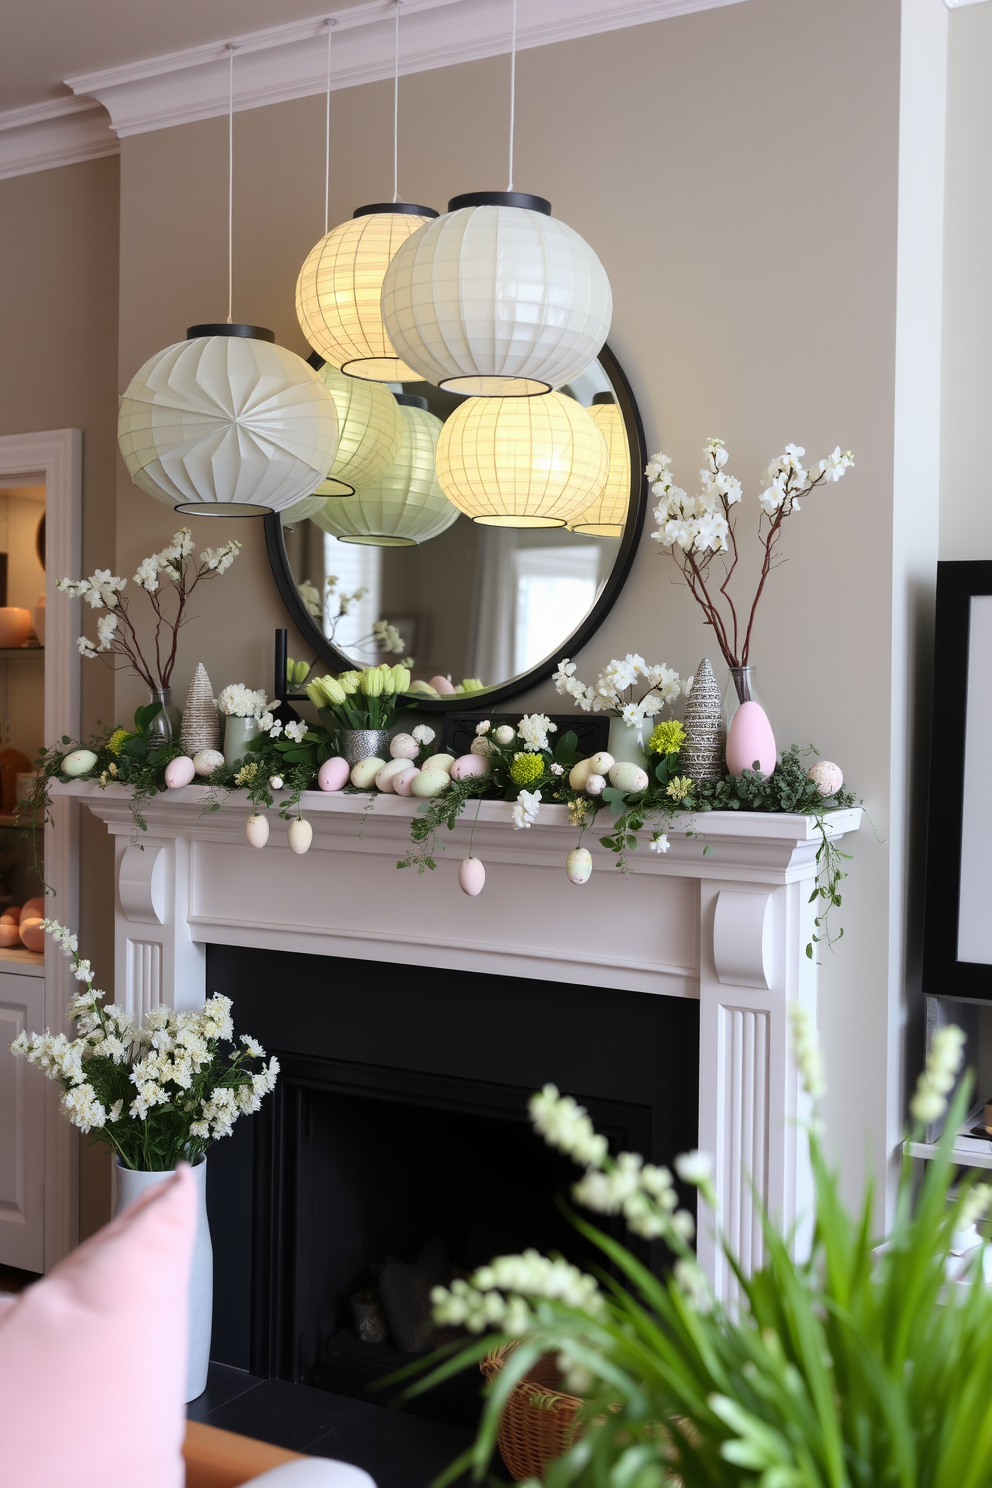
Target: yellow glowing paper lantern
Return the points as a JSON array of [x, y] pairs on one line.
[[407, 506], [607, 515], [521, 462], [369, 432], [340, 285]]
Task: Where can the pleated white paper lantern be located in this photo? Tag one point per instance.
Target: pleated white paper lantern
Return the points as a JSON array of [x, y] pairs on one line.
[[497, 298], [606, 516], [226, 423], [407, 506], [521, 462], [369, 431]]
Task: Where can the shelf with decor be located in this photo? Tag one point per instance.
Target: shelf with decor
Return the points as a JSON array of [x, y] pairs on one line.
[[970, 1151]]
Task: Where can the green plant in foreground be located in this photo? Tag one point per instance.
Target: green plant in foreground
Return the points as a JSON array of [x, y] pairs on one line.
[[850, 1369]]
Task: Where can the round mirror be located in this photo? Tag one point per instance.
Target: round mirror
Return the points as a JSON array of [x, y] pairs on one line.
[[485, 603]]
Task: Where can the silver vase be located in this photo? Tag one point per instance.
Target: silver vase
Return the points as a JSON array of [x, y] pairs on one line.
[[363, 744]]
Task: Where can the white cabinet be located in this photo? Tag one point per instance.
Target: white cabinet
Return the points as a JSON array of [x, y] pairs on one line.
[[22, 1118]]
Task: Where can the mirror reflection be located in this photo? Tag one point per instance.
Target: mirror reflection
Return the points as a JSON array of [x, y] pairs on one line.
[[388, 566]]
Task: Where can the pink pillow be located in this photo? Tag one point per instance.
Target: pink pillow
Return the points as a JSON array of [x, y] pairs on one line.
[[93, 1356]]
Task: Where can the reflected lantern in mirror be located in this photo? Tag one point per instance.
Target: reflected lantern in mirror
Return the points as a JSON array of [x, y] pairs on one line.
[[339, 288], [369, 432], [606, 516], [407, 506], [522, 462], [497, 298], [226, 423]]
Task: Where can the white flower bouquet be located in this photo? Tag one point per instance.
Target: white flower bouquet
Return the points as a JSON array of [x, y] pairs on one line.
[[158, 1094], [239, 701], [629, 689]]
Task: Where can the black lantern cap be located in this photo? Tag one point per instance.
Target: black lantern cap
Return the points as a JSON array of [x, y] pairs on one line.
[[223, 328], [410, 400], [410, 208], [500, 199], [598, 398]]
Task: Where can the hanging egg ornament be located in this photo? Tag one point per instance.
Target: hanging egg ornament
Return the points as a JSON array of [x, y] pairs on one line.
[[207, 761], [257, 830], [300, 835], [471, 876], [826, 776], [578, 865], [750, 741], [179, 772]]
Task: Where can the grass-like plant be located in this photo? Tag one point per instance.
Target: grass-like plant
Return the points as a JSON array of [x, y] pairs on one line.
[[853, 1368]]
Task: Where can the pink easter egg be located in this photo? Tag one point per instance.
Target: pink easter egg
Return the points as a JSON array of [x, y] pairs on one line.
[[442, 685], [333, 774], [403, 784], [826, 776], [179, 772], [471, 876], [467, 766], [750, 739]]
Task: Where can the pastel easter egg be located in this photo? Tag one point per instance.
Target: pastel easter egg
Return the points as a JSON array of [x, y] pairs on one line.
[[179, 772], [826, 776], [32, 907], [439, 762], [300, 835], [32, 935], [429, 783], [749, 740], [423, 688], [595, 785], [79, 762], [333, 774], [601, 763], [468, 767], [471, 876], [257, 830], [10, 934], [363, 774], [628, 777], [579, 774], [578, 865], [403, 784], [404, 746], [387, 775], [207, 761], [442, 686]]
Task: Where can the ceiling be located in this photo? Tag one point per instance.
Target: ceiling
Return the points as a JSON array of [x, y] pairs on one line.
[[44, 41]]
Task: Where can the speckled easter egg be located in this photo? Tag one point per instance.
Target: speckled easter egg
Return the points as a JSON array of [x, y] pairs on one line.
[[403, 783], [467, 767], [387, 775], [404, 746], [750, 739], [179, 772], [257, 830], [363, 774], [439, 762], [300, 835], [442, 686], [826, 776], [471, 876], [79, 762], [430, 783], [578, 865], [207, 761], [628, 777], [333, 774]]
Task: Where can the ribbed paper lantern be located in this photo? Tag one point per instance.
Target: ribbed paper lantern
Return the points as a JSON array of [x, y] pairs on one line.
[[521, 462], [304, 509], [338, 291], [497, 298], [407, 506], [607, 515], [227, 424], [369, 432]]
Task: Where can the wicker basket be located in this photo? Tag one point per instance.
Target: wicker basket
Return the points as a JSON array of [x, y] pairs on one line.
[[532, 1435]]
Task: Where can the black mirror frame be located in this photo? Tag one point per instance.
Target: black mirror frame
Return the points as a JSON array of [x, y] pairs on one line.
[[303, 620]]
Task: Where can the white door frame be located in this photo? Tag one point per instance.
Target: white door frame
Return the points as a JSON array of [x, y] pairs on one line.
[[55, 456]]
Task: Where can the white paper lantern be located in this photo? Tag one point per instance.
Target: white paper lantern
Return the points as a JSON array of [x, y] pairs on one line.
[[302, 510], [369, 432], [227, 423], [521, 462], [497, 298], [607, 515], [407, 506]]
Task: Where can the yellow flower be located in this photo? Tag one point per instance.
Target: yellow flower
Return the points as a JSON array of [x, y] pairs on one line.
[[471, 684], [370, 682], [401, 678], [349, 682], [117, 740], [679, 788], [526, 768], [667, 737], [324, 692]]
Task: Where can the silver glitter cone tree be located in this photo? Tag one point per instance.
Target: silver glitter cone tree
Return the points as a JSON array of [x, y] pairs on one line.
[[201, 725], [703, 753]]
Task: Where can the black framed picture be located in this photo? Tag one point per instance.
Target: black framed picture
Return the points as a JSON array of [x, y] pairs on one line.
[[957, 927]]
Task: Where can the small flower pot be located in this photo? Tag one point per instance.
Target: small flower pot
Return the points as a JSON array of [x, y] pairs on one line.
[[362, 744]]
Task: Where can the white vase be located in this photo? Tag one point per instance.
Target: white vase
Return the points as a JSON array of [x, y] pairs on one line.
[[128, 1184], [237, 733], [626, 741]]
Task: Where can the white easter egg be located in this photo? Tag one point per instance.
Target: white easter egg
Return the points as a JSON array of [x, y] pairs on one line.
[[333, 774], [403, 784], [442, 686], [505, 734], [207, 761], [275, 782], [430, 783], [300, 835], [628, 777], [471, 876], [79, 762], [404, 746], [387, 775], [579, 774], [595, 785], [179, 772], [439, 762], [601, 763], [467, 767], [826, 776], [363, 774], [578, 865], [257, 830]]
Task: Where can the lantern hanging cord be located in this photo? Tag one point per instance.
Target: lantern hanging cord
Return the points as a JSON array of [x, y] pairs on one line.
[[396, 101], [331, 22], [232, 47], [513, 86]]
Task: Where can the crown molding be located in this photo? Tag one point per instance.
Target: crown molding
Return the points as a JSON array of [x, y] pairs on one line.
[[61, 132], [285, 62]]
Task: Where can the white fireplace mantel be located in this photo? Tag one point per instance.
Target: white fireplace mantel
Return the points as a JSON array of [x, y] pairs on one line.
[[723, 916]]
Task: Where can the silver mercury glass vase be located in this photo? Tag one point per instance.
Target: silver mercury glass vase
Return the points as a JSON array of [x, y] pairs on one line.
[[362, 744]]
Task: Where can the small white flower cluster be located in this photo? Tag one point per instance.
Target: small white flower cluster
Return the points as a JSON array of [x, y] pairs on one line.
[[386, 636], [483, 727], [525, 809], [238, 701], [806, 1050], [937, 1081], [100, 590], [787, 479], [219, 560], [424, 734], [479, 1304], [659, 842], [296, 731], [696, 524], [534, 729], [612, 689]]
